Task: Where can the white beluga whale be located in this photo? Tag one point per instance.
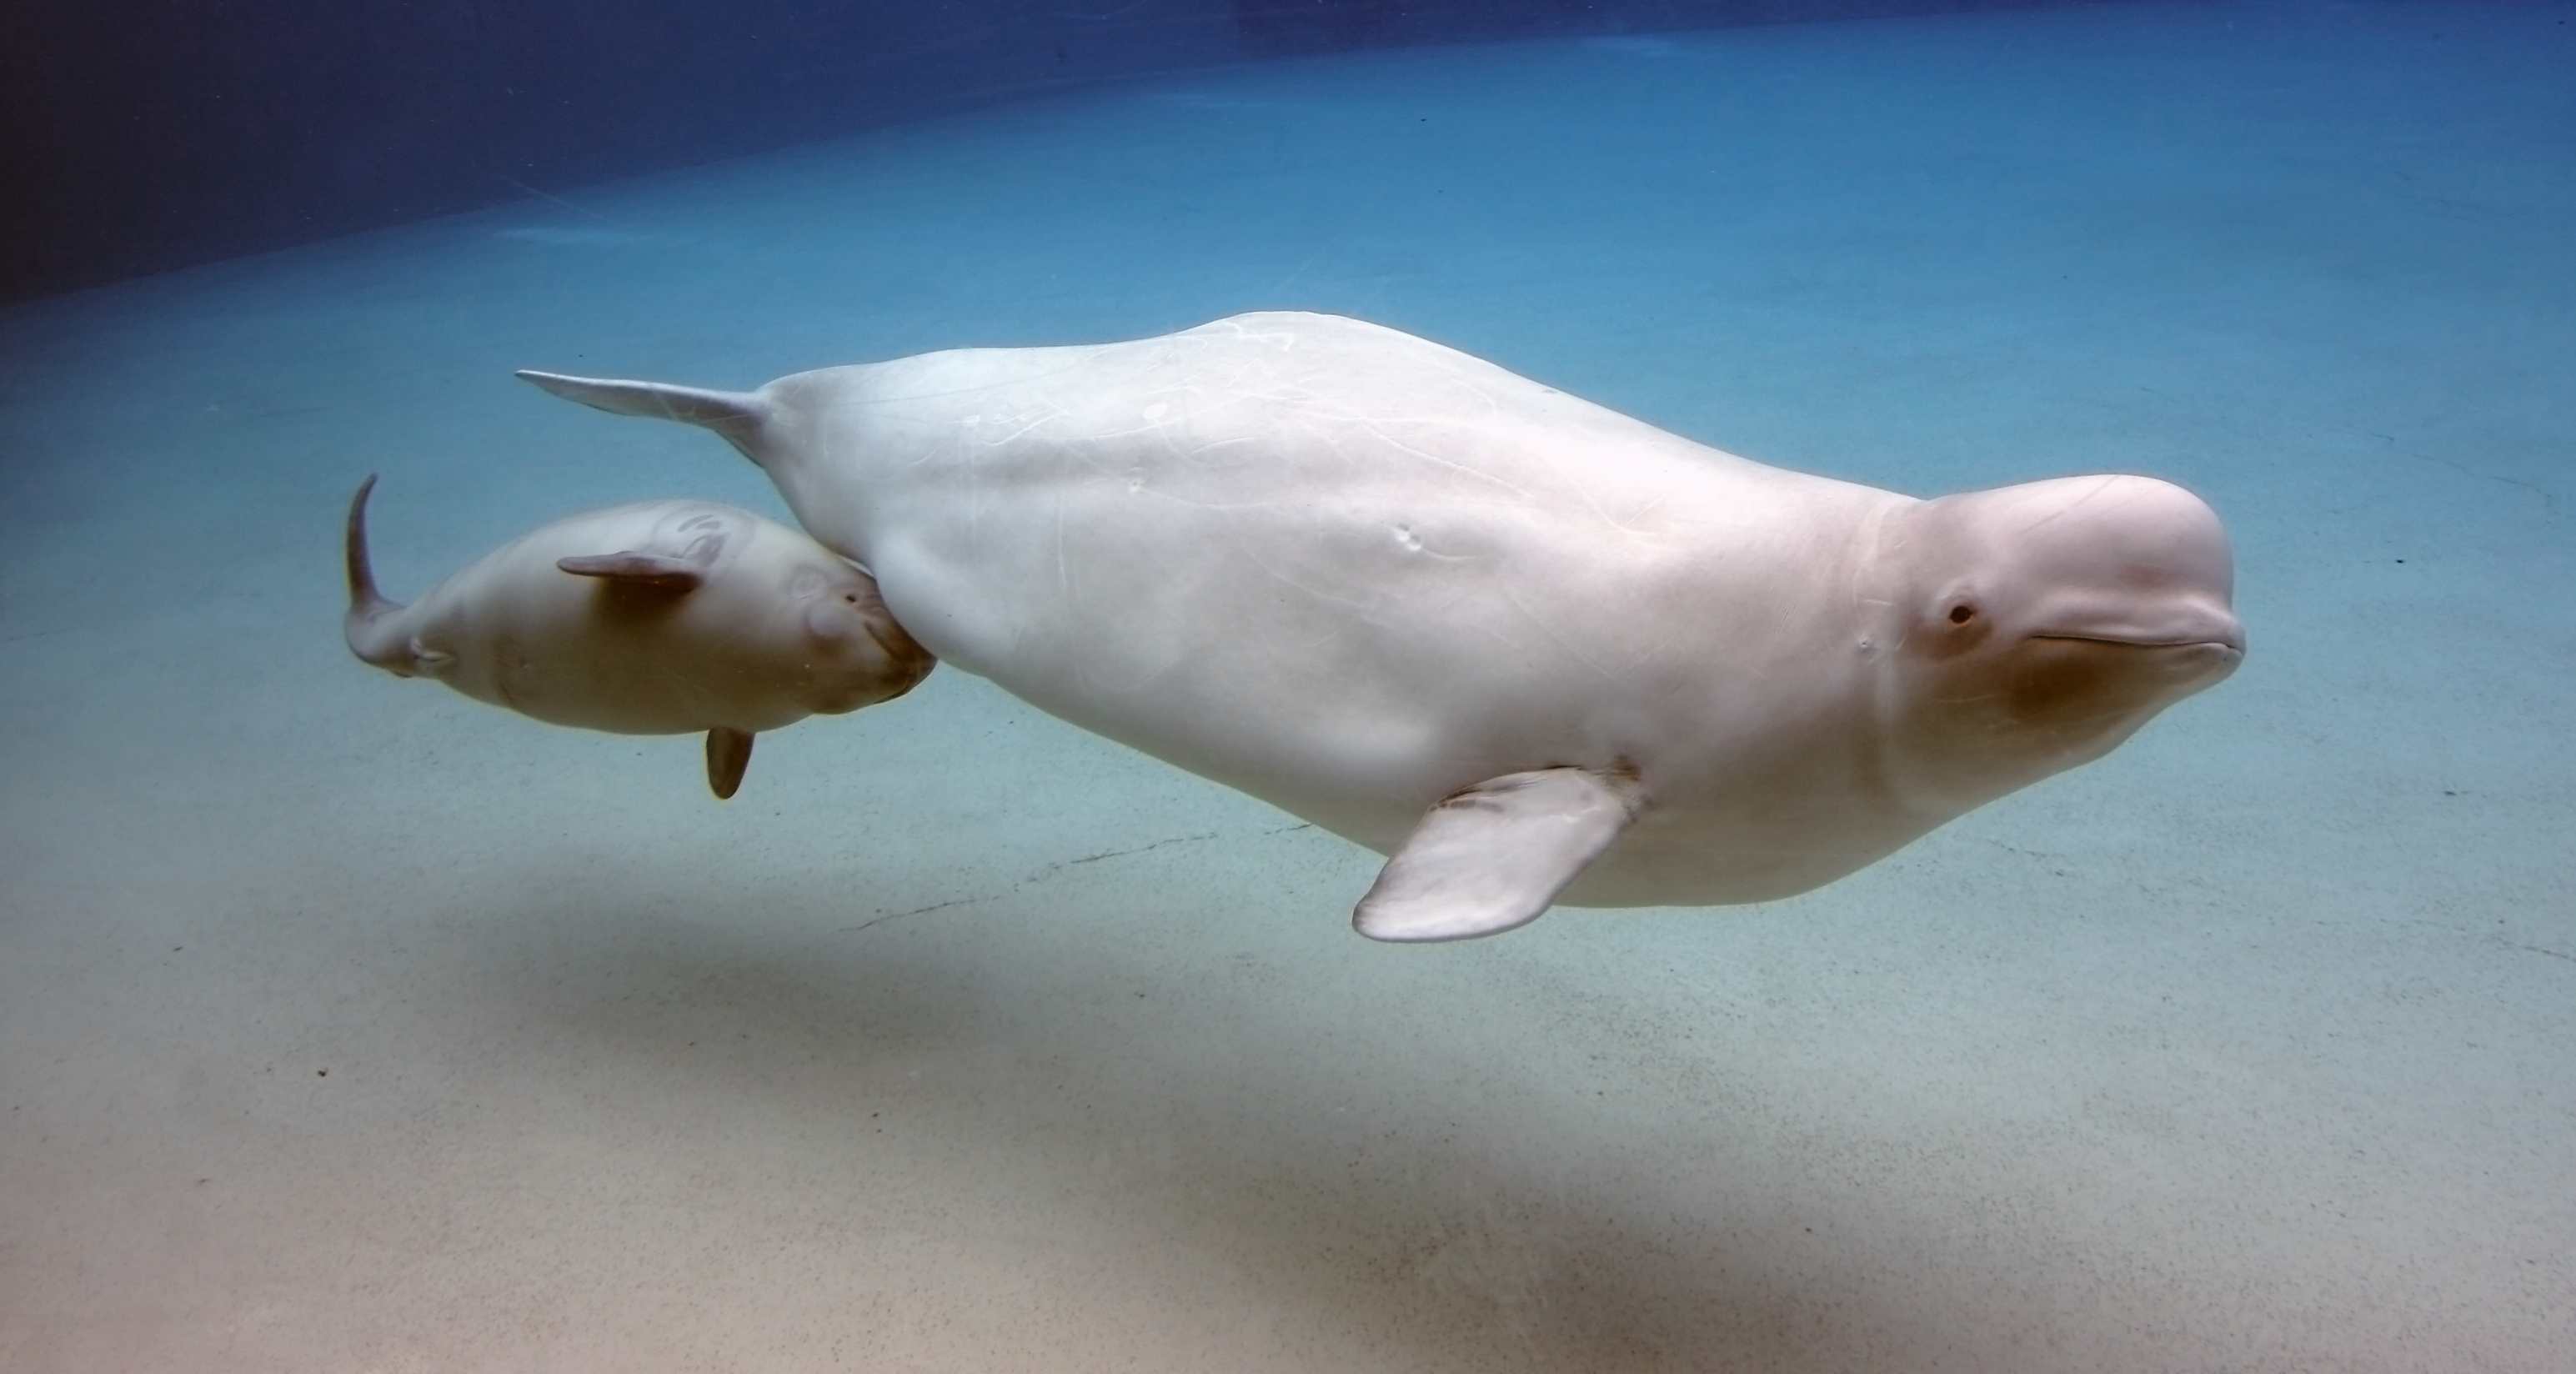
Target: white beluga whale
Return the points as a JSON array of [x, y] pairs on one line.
[[661, 618], [1533, 650]]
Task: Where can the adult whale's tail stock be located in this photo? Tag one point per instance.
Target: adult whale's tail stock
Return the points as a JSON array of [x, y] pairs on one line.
[[739, 416]]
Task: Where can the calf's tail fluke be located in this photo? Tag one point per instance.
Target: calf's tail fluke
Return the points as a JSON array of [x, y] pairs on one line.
[[368, 625], [737, 415]]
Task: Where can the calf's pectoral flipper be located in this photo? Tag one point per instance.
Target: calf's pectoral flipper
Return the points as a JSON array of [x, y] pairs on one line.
[[660, 574], [1494, 857], [728, 754]]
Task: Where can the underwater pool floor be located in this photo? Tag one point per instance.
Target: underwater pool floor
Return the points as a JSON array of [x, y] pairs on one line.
[[348, 1025]]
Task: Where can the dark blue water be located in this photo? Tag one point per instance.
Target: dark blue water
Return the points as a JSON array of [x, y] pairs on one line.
[[137, 137]]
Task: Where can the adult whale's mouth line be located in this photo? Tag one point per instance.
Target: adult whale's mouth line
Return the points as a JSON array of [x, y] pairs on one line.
[[2234, 645]]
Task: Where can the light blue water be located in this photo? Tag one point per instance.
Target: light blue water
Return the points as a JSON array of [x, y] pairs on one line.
[[346, 1024]]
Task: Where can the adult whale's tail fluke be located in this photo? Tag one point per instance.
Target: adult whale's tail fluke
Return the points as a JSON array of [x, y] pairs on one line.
[[737, 415]]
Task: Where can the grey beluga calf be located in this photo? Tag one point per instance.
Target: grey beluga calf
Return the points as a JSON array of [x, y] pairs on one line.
[[1533, 650], [659, 618]]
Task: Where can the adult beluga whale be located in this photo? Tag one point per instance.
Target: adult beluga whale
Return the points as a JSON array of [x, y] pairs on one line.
[[1534, 650]]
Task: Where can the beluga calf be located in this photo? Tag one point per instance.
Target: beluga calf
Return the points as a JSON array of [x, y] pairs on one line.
[[1533, 650], [659, 618]]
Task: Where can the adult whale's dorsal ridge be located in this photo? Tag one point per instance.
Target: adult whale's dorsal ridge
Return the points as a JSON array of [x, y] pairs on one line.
[[1532, 649]]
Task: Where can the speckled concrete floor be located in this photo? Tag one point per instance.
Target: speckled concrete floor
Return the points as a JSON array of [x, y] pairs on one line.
[[346, 1025]]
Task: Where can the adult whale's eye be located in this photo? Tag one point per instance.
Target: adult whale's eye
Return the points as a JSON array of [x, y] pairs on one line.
[[1962, 613]]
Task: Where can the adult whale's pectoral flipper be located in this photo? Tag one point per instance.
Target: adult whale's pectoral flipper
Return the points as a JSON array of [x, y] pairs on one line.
[[1494, 857], [737, 415]]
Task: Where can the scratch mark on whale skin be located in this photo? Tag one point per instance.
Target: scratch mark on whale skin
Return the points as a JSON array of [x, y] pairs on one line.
[[1052, 869]]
